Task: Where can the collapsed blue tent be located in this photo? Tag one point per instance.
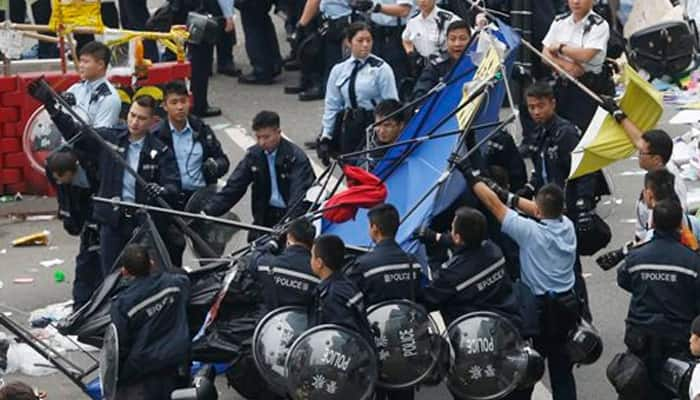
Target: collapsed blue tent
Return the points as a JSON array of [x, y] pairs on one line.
[[426, 162]]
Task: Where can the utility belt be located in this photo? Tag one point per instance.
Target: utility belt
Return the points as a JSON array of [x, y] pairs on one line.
[[349, 131], [183, 198], [334, 29], [599, 83]]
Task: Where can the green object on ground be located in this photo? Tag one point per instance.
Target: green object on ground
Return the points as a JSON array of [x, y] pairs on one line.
[[59, 276]]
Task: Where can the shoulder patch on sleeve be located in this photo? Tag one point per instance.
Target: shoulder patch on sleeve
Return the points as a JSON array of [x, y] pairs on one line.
[[561, 17], [375, 61], [595, 19]]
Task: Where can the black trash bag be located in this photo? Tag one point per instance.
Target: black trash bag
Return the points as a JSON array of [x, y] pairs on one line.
[[231, 333], [90, 321]]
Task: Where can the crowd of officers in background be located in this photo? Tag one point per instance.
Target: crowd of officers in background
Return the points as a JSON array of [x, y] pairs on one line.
[[519, 235]]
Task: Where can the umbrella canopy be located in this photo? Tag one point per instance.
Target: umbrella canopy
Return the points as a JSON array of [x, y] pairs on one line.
[[364, 190]]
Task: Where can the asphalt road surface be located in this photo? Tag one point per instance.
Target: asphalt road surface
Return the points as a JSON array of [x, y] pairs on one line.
[[301, 122]]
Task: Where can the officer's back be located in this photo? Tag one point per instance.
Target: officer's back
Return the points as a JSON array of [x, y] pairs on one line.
[[386, 272], [151, 321], [286, 278], [662, 276], [336, 299], [475, 278]]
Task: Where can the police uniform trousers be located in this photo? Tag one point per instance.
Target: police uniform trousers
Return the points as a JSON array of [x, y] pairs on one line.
[[88, 267], [388, 46], [174, 237], [134, 14], [577, 106], [261, 43], [41, 10], [559, 314], [224, 49], [333, 44], [201, 58], [113, 239], [654, 351], [272, 217], [312, 71], [157, 386]]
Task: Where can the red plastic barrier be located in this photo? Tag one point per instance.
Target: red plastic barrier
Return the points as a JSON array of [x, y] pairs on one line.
[[16, 107]]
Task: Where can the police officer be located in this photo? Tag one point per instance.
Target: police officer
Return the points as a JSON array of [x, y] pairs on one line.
[[75, 186], [286, 278], [655, 149], [386, 132], [260, 42], [336, 299], [133, 15], [146, 154], [336, 16], [202, 54], [279, 171], [354, 87], [94, 94], [501, 151], [577, 42], [425, 34], [388, 19], [200, 159], [662, 276], [150, 317], [547, 256], [458, 36]]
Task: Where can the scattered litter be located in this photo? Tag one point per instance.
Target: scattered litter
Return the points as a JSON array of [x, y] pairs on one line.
[[2, 284], [587, 275], [51, 263], [34, 239], [628, 221], [23, 359], [40, 217], [59, 276], [3, 251], [52, 312], [7, 313], [23, 280], [53, 248], [632, 173]]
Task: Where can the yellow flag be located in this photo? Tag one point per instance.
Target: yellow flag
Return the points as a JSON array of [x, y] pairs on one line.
[[605, 141], [74, 13]]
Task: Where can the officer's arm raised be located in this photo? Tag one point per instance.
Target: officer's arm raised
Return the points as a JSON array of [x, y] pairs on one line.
[[490, 200], [311, 8]]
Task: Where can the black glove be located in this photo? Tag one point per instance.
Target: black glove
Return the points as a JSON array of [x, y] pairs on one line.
[[362, 5], [297, 36], [69, 98], [611, 259], [153, 190], [425, 235], [40, 90], [508, 198], [464, 165], [210, 167], [526, 191], [613, 108], [417, 61], [323, 150]]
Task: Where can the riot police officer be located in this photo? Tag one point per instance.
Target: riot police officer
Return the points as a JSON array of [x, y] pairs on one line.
[[145, 154], [662, 276], [547, 256], [94, 94], [75, 183], [458, 36], [336, 299], [386, 272], [150, 319], [577, 42], [200, 159], [388, 19], [354, 87], [286, 278], [279, 171]]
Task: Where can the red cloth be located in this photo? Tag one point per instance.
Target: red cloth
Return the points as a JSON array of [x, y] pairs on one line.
[[364, 190]]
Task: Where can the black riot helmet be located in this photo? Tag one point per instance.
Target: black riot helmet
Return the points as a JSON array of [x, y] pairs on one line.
[[675, 376], [272, 339], [584, 345], [331, 362], [407, 342]]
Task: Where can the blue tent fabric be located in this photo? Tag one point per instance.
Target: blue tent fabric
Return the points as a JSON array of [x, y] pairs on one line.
[[428, 162]]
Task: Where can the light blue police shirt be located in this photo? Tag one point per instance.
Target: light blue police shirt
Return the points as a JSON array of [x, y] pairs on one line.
[[226, 7], [382, 19], [547, 251], [189, 156], [99, 101], [133, 154], [276, 199], [335, 9], [375, 82]]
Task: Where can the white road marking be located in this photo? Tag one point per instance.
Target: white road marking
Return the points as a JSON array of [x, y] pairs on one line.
[[632, 173]]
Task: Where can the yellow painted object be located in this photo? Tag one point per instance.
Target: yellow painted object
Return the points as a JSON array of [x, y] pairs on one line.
[[153, 91], [67, 14], [35, 239], [605, 141]]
